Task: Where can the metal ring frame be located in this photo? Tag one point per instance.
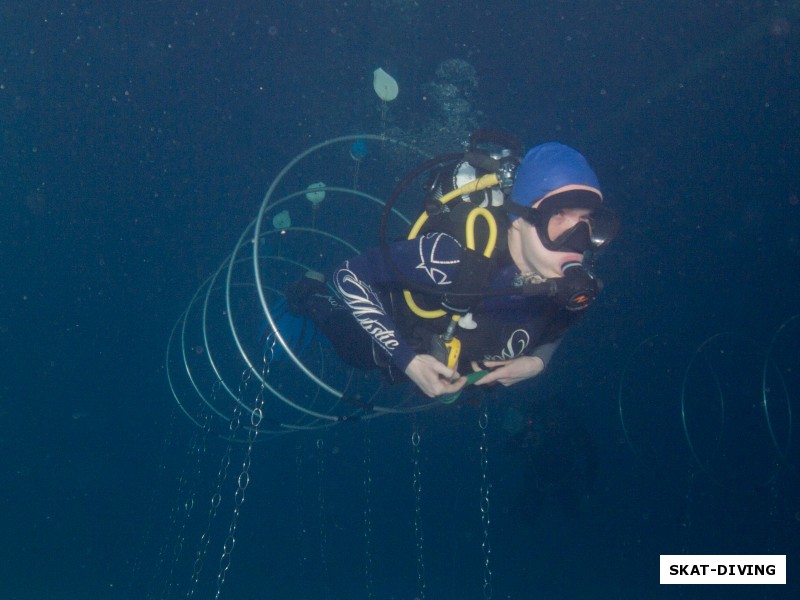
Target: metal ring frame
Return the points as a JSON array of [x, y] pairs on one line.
[[190, 375], [705, 464]]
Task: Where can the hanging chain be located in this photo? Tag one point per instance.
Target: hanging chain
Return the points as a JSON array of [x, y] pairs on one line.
[[298, 507], [183, 509], [256, 416], [269, 355], [417, 483], [687, 515], [368, 511], [136, 575], [483, 423], [205, 538], [774, 511], [323, 537], [233, 428]]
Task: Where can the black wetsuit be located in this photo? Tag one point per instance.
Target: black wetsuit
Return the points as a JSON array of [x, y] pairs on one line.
[[506, 326]]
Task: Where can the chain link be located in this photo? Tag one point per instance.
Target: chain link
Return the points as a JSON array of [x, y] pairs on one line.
[[417, 486], [323, 535], [483, 423], [299, 515], [243, 480], [145, 543], [205, 538], [368, 511], [182, 510]]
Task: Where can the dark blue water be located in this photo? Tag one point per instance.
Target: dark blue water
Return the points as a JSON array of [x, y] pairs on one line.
[[138, 140]]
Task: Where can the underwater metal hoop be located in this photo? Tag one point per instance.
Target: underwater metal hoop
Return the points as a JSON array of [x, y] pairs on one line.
[[706, 466], [707, 462], [783, 453], [623, 412], [257, 234], [202, 367]]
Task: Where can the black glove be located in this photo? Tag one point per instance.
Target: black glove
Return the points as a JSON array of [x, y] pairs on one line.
[[300, 292]]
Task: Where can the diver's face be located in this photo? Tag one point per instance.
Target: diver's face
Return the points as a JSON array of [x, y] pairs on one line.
[[530, 255], [565, 219]]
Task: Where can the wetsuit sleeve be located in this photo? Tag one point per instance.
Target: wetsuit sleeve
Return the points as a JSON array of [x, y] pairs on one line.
[[546, 351], [363, 281]]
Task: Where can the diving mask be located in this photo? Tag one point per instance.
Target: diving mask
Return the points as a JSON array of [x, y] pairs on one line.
[[572, 221]]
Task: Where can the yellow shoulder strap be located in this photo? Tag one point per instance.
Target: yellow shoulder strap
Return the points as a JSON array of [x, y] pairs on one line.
[[476, 185]]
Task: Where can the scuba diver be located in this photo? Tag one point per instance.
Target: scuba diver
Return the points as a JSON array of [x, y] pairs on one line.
[[493, 273]]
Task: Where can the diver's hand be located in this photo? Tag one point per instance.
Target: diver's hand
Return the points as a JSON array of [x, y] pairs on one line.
[[433, 377], [509, 372]]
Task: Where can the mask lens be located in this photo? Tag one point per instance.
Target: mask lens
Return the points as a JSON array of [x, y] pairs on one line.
[[577, 230], [577, 238], [604, 226], [572, 221]]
